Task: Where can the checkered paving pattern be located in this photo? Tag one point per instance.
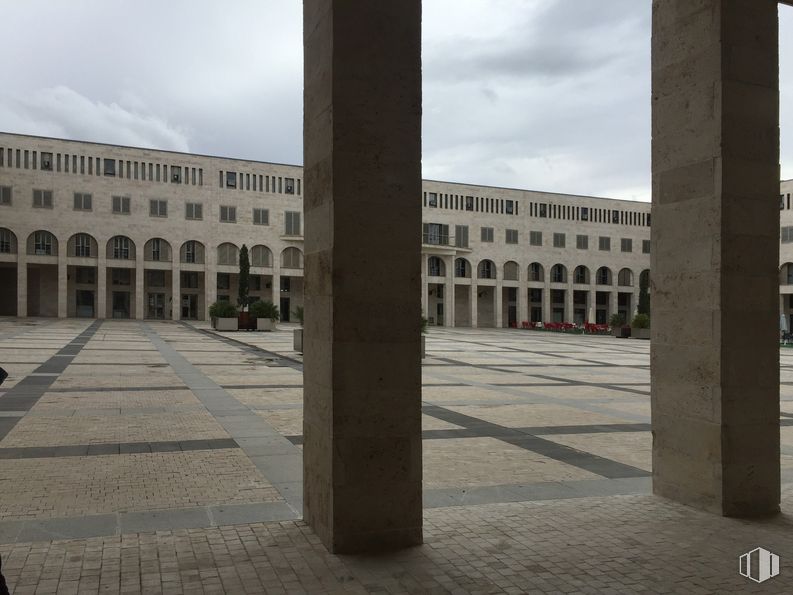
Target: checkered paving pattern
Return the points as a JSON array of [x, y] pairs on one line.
[[165, 458]]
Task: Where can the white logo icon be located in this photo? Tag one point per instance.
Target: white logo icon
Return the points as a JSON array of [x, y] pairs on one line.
[[759, 565]]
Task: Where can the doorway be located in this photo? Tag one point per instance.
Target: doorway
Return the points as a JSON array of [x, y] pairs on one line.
[[121, 302], [85, 303], [156, 308], [189, 306], [284, 309]]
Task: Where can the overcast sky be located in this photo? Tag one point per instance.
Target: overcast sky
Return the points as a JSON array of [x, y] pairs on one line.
[[541, 94]]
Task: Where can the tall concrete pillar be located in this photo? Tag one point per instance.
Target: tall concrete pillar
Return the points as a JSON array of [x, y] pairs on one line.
[[568, 303], [276, 284], [715, 377], [176, 289], [22, 281], [425, 287], [362, 379], [101, 284], [63, 283]]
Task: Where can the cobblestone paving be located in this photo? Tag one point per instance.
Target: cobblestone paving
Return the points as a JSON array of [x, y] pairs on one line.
[[536, 463]]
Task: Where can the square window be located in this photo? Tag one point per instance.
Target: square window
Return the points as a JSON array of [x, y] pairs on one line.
[[82, 201], [121, 205], [5, 195], [645, 246], [582, 242], [110, 167], [158, 208], [261, 217], [194, 211], [626, 245], [228, 214], [535, 238], [604, 243], [487, 234], [559, 240], [512, 236]]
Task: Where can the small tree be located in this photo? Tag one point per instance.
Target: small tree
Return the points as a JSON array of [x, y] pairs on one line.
[[644, 294], [244, 280]]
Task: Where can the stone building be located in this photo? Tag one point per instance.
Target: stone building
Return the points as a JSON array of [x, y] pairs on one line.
[[99, 230]]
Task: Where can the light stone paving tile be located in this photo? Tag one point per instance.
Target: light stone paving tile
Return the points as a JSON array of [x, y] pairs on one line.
[[460, 462], [641, 408], [629, 448], [74, 486], [115, 399], [288, 422], [110, 356], [117, 382], [17, 372], [518, 416], [37, 356], [37, 430], [264, 397]]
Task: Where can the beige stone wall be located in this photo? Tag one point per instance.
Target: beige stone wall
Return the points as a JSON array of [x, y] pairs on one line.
[[102, 224]]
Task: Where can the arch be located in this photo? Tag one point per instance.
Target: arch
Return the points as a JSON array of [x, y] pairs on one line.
[[644, 277], [192, 252], [486, 269], [603, 276], [625, 278], [462, 268], [228, 254], [157, 250], [120, 248], [261, 256], [511, 271], [536, 272], [82, 245], [558, 273], [581, 275], [436, 267], [42, 243], [292, 258], [8, 241]]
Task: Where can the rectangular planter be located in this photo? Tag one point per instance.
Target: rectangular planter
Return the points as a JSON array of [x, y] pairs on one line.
[[265, 324], [640, 333], [298, 340], [226, 324], [423, 346], [622, 332]]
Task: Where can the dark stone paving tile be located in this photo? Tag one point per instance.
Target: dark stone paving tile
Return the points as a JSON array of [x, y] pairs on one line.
[[103, 449], [68, 528], [252, 513], [161, 520]]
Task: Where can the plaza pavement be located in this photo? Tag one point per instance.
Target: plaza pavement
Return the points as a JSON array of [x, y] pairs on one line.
[[162, 457]]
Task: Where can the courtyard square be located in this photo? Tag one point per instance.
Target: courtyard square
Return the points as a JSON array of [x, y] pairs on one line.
[[166, 457]]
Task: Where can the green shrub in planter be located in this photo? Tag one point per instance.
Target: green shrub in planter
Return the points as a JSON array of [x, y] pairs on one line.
[[298, 313], [616, 320], [641, 321], [223, 310], [264, 309]]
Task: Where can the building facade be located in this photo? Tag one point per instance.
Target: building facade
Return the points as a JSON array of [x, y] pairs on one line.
[[96, 230]]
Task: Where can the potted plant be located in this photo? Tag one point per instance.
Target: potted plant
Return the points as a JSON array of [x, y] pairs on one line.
[[265, 313], [618, 327], [424, 324], [224, 316], [246, 322], [640, 326], [298, 332]]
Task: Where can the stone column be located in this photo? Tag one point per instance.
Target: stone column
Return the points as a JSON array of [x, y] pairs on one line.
[[140, 283], [547, 315], [448, 293], [499, 303], [101, 284], [362, 379], [276, 284], [614, 303], [176, 288], [568, 303], [22, 281], [474, 302], [210, 279], [63, 283], [523, 299], [715, 352], [425, 300]]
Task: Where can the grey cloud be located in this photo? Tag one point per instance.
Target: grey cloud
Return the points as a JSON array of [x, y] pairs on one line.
[[62, 112]]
